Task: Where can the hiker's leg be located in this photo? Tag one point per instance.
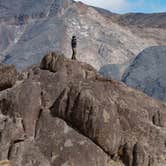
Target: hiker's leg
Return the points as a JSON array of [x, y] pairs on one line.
[[74, 54]]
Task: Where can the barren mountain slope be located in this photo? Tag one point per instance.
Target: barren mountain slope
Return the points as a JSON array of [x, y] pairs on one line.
[[32, 29]]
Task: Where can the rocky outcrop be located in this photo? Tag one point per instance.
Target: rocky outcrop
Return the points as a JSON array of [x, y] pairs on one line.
[[147, 72], [8, 76], [49, 142], [68, 114]]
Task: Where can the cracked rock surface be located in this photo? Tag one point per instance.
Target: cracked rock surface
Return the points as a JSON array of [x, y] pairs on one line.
[[64, 113]]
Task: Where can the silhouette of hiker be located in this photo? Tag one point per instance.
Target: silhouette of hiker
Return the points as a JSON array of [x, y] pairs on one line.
[[74, 45]]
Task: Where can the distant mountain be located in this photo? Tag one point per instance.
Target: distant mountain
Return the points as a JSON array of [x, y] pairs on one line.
[[156, 20], [29, 29], [147, 72]]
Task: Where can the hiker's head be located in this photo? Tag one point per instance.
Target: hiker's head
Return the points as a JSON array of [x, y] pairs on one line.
[[73, 37]]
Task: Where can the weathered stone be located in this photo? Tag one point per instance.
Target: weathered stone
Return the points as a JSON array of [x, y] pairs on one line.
[[26, 153], [8, 76], [147, 72], [103, 120], [99, 108], [159, 119], [12, 131], [29, 95], [125, 154], [61, 144], [140, 157]]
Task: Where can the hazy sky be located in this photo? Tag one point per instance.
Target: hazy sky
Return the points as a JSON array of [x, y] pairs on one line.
[[126, 6]]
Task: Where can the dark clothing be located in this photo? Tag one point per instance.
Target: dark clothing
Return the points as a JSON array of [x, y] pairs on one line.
[[74, 42], [74, 45], [74, 54]]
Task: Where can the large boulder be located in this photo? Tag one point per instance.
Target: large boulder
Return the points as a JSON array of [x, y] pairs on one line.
[[54, 142], [70, 147], [110, 113], [147, 72]]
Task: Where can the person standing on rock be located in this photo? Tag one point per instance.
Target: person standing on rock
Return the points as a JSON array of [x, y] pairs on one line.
[[74, 46]]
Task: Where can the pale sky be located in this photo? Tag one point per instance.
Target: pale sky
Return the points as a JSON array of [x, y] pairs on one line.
[[127, 6]]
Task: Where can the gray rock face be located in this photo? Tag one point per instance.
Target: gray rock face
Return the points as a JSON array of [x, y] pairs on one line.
[[77, 117], [147, 72], [30, 29], [21, 10]]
